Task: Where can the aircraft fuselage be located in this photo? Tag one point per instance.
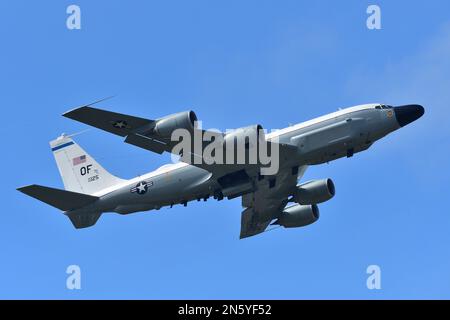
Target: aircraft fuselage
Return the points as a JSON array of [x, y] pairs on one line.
[[323, 139]]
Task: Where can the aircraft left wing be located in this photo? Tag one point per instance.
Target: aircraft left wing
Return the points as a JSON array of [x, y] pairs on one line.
[[286, 151], [266, 203]]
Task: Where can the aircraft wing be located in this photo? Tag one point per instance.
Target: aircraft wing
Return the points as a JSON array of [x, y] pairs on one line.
[[137, 131], [133, 128], [266, 204], [117, 123], [286, 151]]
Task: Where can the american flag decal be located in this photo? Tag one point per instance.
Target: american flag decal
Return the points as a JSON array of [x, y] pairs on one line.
[[79, 160]]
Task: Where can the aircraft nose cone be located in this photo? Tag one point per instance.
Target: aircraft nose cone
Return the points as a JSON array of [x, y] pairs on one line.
[[409, 113]]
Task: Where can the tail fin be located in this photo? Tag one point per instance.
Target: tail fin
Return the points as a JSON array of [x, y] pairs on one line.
[[79, 171]]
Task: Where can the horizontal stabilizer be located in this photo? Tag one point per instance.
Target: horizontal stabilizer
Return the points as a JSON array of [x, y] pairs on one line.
[[61, 199]]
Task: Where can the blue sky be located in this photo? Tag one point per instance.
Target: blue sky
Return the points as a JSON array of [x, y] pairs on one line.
[[235, 63]]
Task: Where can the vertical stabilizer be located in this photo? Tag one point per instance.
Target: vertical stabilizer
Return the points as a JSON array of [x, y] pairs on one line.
[[79, 171]]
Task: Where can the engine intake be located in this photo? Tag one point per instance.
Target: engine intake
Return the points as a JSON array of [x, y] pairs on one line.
[[298, 216], [315, 191], [183, 120]]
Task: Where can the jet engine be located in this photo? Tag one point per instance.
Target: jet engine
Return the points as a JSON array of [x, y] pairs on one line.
[[183, 120], [248, 134], [298, 216], [315, 191], [241, 145]]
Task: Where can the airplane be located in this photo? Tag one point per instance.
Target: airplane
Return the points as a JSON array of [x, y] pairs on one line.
[[90, 190]]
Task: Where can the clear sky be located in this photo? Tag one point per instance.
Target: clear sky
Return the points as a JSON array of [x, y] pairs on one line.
[[235, 63]]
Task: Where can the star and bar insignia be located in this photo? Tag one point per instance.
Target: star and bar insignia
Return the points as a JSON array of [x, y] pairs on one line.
[[141, 187], [120, 124]]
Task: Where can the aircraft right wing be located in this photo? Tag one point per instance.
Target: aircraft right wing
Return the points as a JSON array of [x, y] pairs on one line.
[[137, 131], [141, 133], [133, 128], [117, 123]]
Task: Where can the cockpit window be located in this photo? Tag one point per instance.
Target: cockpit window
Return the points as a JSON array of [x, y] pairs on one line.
[[383, 106]]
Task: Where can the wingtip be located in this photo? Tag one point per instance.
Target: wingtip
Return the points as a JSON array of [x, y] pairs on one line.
[[68, 114], [23, 189]]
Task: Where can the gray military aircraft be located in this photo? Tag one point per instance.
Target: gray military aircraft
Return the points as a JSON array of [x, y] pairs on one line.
[[90, 190]]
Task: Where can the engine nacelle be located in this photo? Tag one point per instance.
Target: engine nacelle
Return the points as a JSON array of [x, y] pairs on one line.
[[183, 120], [250, 134], [298, 216], [315, 191], [241, 145]]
